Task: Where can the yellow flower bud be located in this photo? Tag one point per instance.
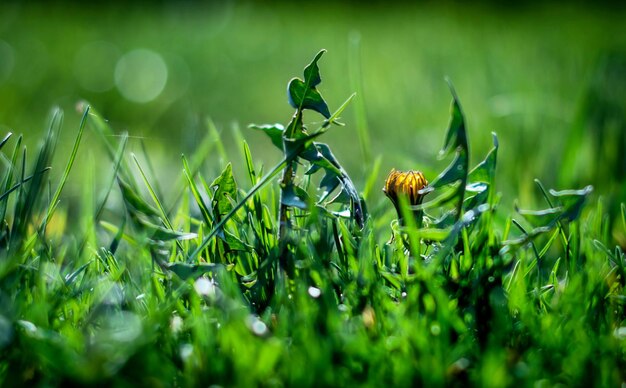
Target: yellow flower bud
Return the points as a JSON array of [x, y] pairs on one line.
[[409, 183]]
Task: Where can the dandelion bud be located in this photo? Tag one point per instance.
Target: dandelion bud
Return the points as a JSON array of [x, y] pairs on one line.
[[409, 184], [405, 183]]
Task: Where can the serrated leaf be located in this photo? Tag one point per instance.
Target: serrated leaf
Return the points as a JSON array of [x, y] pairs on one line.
[[303, 94], [572, 201], [569, 204], [273, 131], [541, 218]]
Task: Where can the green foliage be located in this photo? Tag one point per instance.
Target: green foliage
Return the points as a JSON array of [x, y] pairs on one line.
[[205, 289], [303, 94]]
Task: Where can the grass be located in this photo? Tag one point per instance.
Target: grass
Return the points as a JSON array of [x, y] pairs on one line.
[[243, 280], [525, 72]]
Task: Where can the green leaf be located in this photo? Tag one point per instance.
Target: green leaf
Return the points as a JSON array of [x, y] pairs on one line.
[[249, 162], [485, 171], [135, 203], [312, 71], [334, 172], [225, 192], [186, 271], [456, 136], [303, 97], [295, 147], [456, 171], [320, 156], [295, 196], [572, 201], [160, 233], [568, 206], [466, 220], [273, 131], [480, 197], [234, 243], [328, 184], [541, 218], [303, 94]]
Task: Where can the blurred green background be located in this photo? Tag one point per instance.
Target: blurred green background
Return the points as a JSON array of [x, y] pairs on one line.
[[549, 79]]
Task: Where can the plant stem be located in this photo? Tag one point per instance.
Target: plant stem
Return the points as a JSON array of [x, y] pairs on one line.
[[287, 178]]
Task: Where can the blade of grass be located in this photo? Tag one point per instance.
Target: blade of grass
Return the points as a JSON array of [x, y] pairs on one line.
[[204, 210], [6, 138], [356, 84], [68, 168]]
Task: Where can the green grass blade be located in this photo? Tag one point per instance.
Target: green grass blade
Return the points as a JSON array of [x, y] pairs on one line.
[[68, 167], [356, 84], [8, 179], [204, 210], [5, 140], [153, 194], [28, 198]]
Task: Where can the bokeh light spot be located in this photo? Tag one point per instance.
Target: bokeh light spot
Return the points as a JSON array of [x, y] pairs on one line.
[[141, 75]]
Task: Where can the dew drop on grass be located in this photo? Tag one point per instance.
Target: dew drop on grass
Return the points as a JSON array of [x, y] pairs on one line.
[[176, 324], [315, 292], [257, 326], [204, 287], [186, 350]]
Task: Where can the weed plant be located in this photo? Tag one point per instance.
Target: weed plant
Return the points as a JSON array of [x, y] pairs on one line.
[[289, 283]]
